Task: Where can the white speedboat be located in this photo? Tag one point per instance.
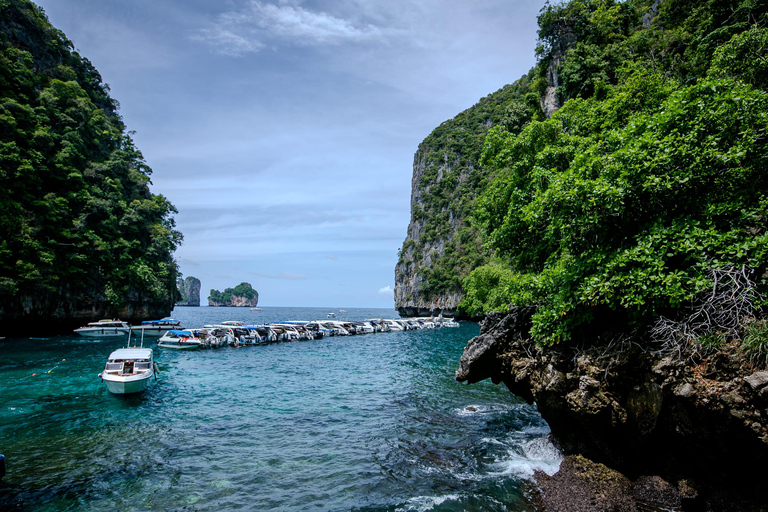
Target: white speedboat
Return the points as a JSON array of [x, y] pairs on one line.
[[104, 328], [179, 340], [128, 370], [155, 328]]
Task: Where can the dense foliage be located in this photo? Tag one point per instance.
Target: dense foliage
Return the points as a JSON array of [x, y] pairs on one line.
[[77, 216], [615, 211], [242, 290]]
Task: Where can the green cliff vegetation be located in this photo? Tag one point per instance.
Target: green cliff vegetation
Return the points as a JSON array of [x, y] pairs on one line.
[[78, 220], [645, 196], [227, 297], [450, 181]]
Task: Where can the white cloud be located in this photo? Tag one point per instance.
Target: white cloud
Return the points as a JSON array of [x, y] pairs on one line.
[[386, 290], [245, 30], [229, 42]]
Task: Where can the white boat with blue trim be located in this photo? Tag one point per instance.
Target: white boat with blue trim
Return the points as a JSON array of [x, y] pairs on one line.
[[104, 328], [128, 370]]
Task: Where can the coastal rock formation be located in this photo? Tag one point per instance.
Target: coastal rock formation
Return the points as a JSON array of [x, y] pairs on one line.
[[240, 296], [699, 420], [189, 289], [82, 237], [63, 311], [441, 246]]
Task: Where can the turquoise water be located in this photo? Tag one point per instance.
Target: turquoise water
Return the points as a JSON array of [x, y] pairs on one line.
[[363, 423]]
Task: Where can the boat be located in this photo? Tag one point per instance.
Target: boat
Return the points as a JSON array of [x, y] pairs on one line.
[[255, 309], [179, 340], [128, 370], [156, 327], [104, 328], [331, 315]]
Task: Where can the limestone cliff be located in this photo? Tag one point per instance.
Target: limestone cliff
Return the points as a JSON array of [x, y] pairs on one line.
[[82, 236], [441, 246], [420, 251], [189, 289], [685, 417]]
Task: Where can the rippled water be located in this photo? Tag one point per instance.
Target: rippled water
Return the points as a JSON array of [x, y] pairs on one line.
[[365, 423]]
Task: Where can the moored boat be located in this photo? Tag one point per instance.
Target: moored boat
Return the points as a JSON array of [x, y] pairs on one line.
[[128, 370], [155, 328], [179, 340], [104, 328]]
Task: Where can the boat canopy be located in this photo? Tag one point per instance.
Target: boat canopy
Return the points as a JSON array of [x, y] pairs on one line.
[[131, 353], [166, 320]]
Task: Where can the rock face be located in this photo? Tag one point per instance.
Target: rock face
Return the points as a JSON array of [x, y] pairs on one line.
[[582, 485], [410, 299], [698, 420], [61, 311], [189, 289]]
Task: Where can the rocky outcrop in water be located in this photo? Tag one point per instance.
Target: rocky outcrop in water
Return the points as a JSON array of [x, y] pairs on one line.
[[702, 421], [239, 296], [189, 289]]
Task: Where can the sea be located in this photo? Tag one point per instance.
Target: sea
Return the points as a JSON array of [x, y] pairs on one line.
[[373, 423]]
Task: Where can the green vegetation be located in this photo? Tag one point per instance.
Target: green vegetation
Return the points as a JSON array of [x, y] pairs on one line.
[[225, 297], [616, 211], [78, 219], [450, 181], [755, 343]]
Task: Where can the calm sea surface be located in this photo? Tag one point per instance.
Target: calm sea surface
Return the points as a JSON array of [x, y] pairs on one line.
[[362, 423]]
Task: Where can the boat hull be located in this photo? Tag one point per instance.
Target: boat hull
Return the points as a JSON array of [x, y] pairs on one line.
[[149, 332], [126, 385], [174, 345], [101, 333]]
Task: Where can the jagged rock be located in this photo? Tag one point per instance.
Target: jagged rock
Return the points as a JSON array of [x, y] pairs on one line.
[[704, 420], [584, 486], [757, 380]]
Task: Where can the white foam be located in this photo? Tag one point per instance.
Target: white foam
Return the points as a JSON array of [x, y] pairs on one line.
[[425, 503], [537, 455], [473, 409]]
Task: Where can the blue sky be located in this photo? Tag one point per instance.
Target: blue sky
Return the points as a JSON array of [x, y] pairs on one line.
[[284, 131]]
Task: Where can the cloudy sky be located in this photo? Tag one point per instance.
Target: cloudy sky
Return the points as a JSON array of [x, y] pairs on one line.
[[284, 130]]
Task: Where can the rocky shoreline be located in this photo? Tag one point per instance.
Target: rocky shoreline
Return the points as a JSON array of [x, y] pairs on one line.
[[686, 431]]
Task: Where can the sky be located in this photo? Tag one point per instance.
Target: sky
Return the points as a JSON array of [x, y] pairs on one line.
[[284, 131]]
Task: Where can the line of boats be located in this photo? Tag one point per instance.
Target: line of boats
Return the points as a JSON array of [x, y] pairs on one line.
[[129, 370]]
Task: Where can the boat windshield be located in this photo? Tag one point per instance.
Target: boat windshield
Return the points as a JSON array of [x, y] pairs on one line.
[[114, 366]]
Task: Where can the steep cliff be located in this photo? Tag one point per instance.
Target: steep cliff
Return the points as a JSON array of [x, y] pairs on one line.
[[81, 235], [442, 246], [189, 289]]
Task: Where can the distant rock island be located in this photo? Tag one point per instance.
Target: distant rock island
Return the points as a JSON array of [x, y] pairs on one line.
[[241, 295], [189, 289]]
